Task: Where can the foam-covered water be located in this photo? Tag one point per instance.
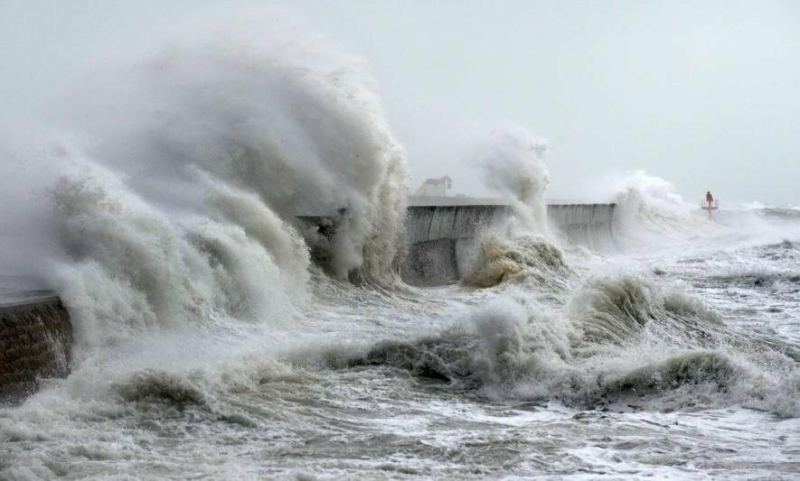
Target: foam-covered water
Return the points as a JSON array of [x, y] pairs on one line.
[[209, 345]]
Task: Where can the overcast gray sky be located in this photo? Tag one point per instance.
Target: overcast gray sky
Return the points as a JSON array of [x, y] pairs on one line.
[[705, 94]]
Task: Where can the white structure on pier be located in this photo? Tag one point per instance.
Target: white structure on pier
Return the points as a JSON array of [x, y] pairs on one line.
[[435, 187]]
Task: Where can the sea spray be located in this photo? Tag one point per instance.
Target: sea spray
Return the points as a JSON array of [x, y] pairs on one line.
[[650, 211], [177, 176], [272, 111], [278, 237], [511, 162]]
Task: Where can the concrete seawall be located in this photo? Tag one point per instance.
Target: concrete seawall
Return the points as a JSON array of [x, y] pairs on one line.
[[588, 225], [440, 237], [35, 331], [35, 343]]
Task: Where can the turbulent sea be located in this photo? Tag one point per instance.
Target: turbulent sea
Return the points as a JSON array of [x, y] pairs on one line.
[[208, 344]]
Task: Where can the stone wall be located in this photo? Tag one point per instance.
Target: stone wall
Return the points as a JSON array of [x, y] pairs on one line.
[[35, 342]]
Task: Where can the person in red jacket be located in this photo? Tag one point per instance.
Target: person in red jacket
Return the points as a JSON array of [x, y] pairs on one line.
[[709, 198]]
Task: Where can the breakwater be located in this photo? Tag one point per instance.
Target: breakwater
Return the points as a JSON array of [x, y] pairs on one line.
[[588, 225], [35, 331], [440, 237], [35, 343]]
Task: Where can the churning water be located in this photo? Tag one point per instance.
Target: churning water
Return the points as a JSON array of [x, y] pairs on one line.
[[208, 344]]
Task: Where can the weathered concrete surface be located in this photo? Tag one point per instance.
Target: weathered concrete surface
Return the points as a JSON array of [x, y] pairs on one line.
[[440, 237], [589, 225], [35, 342]]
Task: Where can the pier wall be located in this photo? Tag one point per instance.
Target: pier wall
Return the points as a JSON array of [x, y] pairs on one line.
[[440, 237], [35, 343], [35, 331]]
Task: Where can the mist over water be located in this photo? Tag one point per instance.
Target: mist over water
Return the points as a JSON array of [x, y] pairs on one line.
[[161, 202]]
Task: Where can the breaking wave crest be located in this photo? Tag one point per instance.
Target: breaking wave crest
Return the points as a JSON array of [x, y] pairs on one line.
[[649, 210], [179, 176], [511, 161]]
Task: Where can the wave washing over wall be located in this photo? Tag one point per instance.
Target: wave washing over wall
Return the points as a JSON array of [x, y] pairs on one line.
[[510, 161], [446, 243], [484, 243], [651, 212], [173, 217], [179, 174]]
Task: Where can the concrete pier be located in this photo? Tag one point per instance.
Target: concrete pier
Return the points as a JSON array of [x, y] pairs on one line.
[[35, 342], [440, 232], [35, 331]]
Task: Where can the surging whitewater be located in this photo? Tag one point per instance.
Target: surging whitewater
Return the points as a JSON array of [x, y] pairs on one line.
[[209, 344], [183, 185]]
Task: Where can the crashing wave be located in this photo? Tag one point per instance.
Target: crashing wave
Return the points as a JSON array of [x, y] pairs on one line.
[[179, 176], [511, 161], [649, 211], [615, 338], [513, 260]]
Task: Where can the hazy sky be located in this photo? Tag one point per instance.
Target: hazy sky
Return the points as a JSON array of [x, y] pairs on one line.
[[703, 94]]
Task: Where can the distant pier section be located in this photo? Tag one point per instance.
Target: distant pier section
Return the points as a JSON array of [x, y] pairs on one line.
[[440, 232]]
